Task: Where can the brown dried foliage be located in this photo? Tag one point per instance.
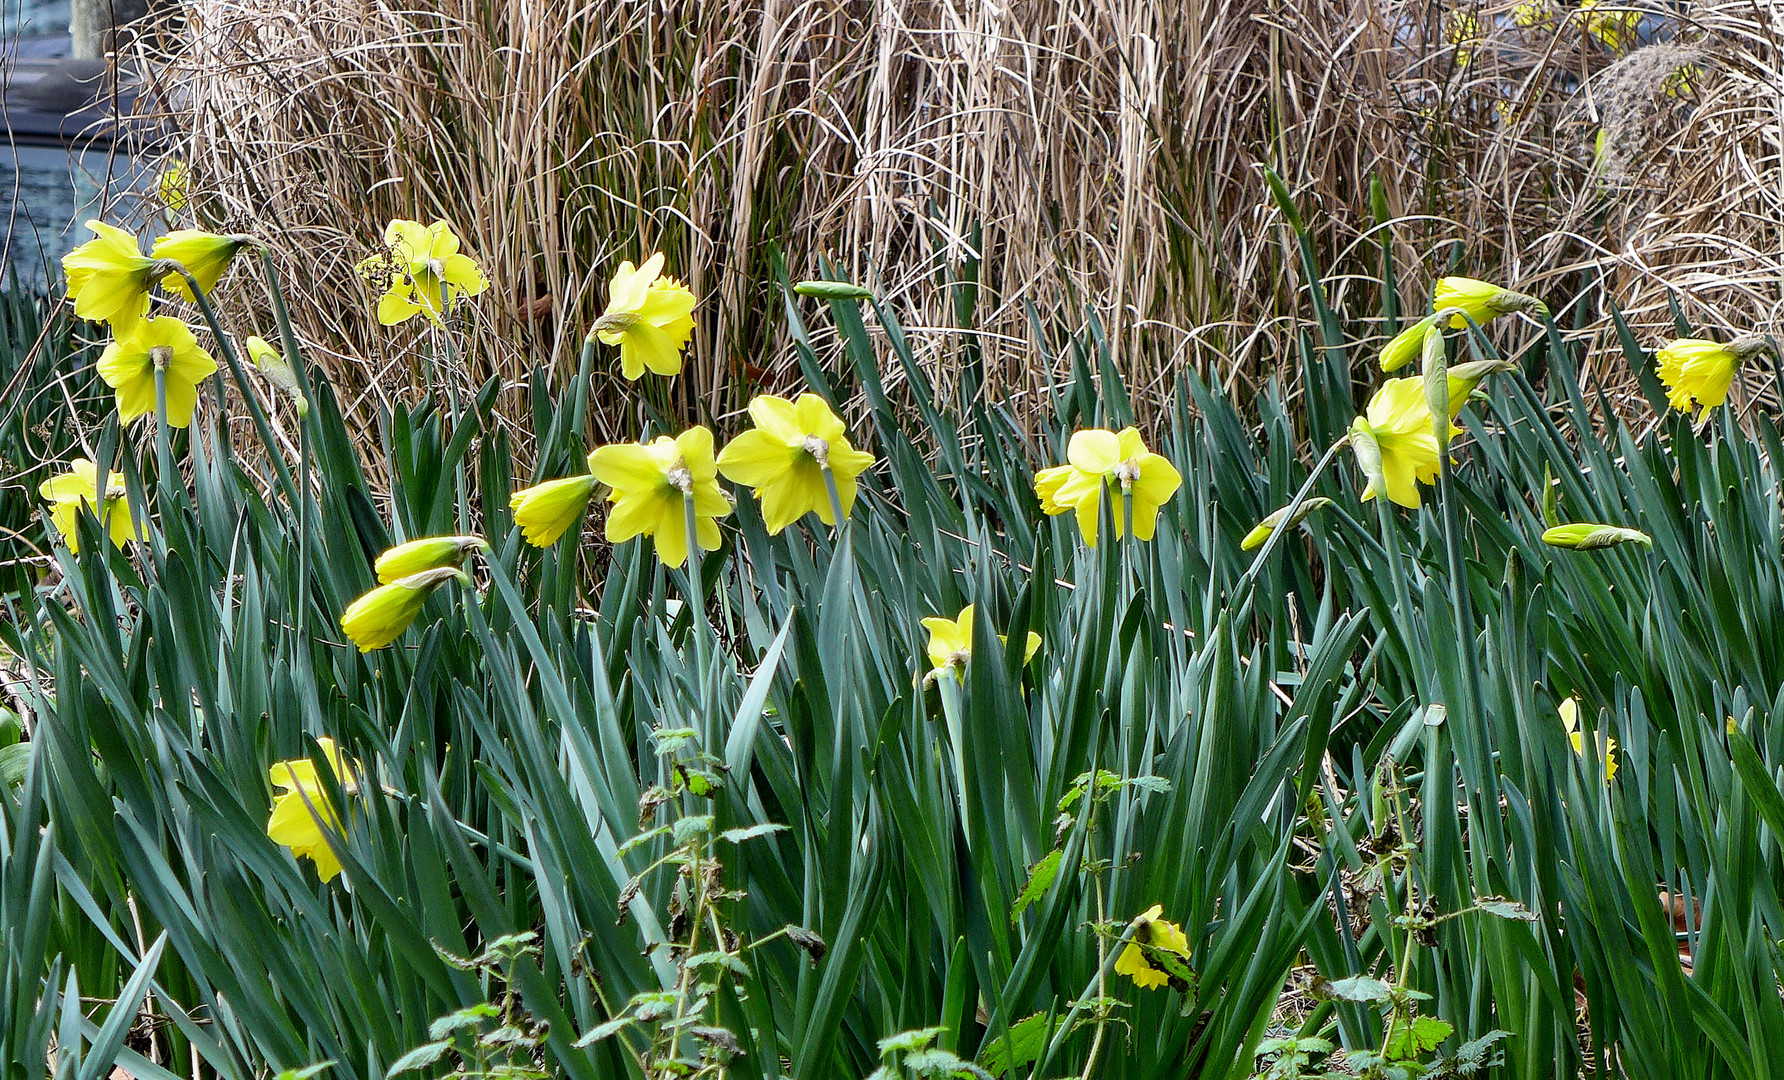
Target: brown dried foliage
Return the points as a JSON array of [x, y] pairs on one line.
[[1097, 156]]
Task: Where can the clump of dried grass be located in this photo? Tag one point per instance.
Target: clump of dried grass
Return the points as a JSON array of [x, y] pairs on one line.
[[1099, 155]]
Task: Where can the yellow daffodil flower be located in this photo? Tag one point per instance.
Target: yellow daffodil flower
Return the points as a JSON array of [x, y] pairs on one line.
[[651, 482], [1399, 421], [1405, 346], [172, 185], [1261, 531], [428, 553], [546, 511], [68, 492], [109, 278], [380, 616], [421, 271], [204, 255], [1570, 722], [951, 642], [277, 370], [1097, 459], [1699, 372], [128, 365], [649, 316], [300, 815], [1481, 300], [1154, 949], [784, 459]]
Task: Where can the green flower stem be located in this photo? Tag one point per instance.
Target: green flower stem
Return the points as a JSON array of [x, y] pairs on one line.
[[164, 466], [697, 621], [261, 427], [1090, 993], [835, 498], [949, 684], [448, 377], [1461, 611], [1244, 592]]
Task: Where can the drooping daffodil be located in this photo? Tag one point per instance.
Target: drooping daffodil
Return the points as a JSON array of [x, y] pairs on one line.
[[164, 343], [1158, 953], [421, 271], [1570, 722], [546, 511], [304, 810], [652, 483], [784, 459], [381, 615], [1096, 459], [271, 363], [204, 255], [109, 278], [1481, 300], [1699, 372], [427, 553], [1281, 520], [69, 492], [951, 642], [649, 316], [1398, 424]]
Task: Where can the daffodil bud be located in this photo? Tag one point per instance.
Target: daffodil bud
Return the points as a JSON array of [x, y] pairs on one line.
[[1368, 451], [380, 616], [428, 553], [1463, 299], [1586, 536], [833, 290], [1280, 520], [1405, 345], [546, 511], [203, 255], [271, 363], [1437, 386]]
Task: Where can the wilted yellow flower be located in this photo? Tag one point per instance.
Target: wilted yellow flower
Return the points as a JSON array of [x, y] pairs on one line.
[[278, 371], [421, 270], [649, 316], [784, 459], [204, 255], [1699, 372], [1405, 346], [651, 482], [68, 492], [1481, 300], [128, 365], [1570, 721], [951, 641], [1261, 531], [1614, 26], [300, 815], [173, 185], [545, 511], [109, 278], [1157, 954], [1399, 422], [380, 616], [1587, 536], [428, 553], [1097, 459]]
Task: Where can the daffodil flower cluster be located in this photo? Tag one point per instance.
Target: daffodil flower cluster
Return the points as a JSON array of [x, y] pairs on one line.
[[797, 453]]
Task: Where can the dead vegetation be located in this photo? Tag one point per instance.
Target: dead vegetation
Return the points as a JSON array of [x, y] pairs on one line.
[[1100, 155]]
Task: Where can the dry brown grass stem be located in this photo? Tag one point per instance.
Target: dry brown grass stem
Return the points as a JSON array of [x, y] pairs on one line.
[[1098, 156]]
